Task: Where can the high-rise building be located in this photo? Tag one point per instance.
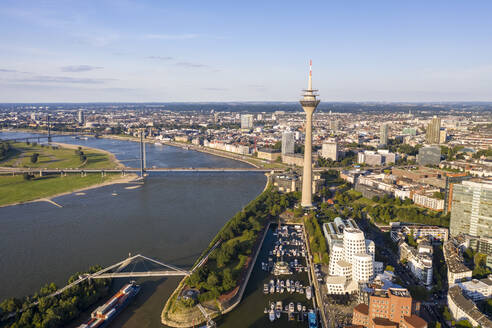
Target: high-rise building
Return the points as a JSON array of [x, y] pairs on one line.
[[434, 131], [430, 155], [246, 121], [383, 137], [443, 136], [471, 208], [309, 103], [288, 143], [393, 308], [329, 150], [334, 125], [80, 117]]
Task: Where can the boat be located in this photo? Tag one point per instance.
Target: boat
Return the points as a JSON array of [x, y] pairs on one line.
[[313, 322], [104, 314], [271, 315], [308, 292]]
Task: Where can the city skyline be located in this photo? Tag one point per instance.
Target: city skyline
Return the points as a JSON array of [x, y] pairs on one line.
[[154, 52]]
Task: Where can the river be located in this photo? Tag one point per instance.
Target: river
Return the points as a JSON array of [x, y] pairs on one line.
[[171, 218]]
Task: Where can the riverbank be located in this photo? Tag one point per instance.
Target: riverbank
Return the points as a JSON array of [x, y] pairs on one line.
[[57, 156], [15, 190], [210, 151], [253, 161]]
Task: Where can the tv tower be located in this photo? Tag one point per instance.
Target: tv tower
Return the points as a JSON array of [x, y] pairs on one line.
[[309, 104]]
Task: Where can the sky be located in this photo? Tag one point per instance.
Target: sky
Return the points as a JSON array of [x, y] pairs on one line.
[[199, 51]]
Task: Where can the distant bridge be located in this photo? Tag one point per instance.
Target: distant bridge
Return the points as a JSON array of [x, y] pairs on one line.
[[6, 170], [48, 136]]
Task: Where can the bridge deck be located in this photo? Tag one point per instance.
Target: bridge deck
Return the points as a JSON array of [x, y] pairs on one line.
[[141, 274]]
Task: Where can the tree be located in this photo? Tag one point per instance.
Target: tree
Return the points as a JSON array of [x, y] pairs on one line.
[[212, 280], [463, 324], [28, 176], [389, 268], [446, 314], [34, 158]]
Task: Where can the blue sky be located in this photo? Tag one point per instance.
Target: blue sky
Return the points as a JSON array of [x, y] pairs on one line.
[[123, 50]]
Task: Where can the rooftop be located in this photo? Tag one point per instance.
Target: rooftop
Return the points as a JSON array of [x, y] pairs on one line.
[[362, 308], [416, 321], [468, 306]]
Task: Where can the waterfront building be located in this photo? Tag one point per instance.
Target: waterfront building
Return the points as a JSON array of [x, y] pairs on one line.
[[309, 104], [389, 308], [383, 134], [329, 150], [268, 154], [351, 259], [293, 159], [433, 132], [246, 122], [429, 155], [288, 143], [471, 208]]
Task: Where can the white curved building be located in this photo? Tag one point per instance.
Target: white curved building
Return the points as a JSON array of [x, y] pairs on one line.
[[351, 262], [337, 254], [362, 267], [354, 242]]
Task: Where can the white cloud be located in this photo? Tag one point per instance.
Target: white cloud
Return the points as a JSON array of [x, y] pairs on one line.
[[80, 68], [171, 36]]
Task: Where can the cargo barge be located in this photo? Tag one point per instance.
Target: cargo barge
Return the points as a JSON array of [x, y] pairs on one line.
[[104, 314]]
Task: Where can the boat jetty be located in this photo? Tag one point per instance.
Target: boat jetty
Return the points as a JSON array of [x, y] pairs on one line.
[[287, 286]]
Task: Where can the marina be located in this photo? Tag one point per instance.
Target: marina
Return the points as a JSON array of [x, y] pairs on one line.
[[279, 293]]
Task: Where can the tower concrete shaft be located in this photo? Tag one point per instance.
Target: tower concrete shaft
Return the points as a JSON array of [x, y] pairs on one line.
[[309, 104]]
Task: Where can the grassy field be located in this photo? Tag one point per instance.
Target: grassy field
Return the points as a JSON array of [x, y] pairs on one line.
[[56, 157], [15, 189]]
